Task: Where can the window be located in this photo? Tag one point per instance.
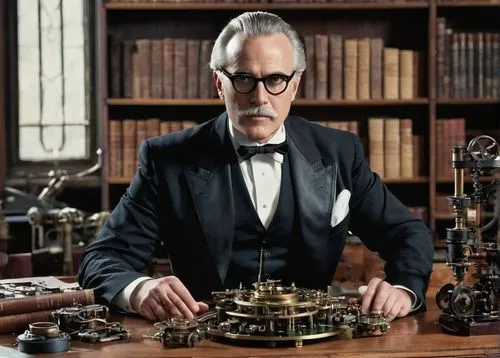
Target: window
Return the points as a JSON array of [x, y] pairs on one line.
[[51, 75]]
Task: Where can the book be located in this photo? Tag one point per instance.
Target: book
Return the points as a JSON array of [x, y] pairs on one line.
[[46, 301]]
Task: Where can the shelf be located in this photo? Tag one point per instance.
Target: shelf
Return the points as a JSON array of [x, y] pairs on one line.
[[470, 3], [122, 180], [467, 101], [467, 179], [298, 102], [264, 6], [415, 180]]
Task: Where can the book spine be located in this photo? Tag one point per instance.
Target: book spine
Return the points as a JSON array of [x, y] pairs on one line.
[[18, 323], [43, 302]]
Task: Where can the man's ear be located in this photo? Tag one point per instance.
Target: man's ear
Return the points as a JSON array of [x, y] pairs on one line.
[[295, 85], [218, 84]]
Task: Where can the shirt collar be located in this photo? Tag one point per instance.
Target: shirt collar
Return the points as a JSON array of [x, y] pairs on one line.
[[238, 139]]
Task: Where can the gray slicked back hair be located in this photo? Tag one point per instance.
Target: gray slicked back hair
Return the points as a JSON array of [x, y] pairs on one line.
[[254, 24]]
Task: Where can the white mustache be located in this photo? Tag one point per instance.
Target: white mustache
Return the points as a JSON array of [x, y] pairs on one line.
[[258, 111]]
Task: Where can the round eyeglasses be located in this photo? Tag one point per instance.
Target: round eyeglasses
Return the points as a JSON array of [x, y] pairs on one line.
[[245, 83]]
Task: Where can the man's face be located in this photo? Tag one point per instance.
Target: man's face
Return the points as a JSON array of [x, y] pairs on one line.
[[258, 114]]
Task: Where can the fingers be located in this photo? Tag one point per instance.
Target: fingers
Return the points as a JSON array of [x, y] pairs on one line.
[[369, 294], [168, 297], [202, 307], [380, 296], [183, 299]]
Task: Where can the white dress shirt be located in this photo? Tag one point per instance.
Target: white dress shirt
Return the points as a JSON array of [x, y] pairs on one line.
[[262, 175]]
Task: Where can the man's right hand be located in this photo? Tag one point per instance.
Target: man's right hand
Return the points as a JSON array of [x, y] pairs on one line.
[[164, 298]]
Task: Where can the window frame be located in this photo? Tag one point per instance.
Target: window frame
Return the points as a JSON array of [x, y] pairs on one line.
[[16, 170]]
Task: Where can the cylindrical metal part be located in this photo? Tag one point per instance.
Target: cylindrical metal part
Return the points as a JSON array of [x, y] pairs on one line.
[[458, 173], [456, 241]]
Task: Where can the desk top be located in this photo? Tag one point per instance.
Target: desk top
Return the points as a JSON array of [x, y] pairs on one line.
[[413, 336]]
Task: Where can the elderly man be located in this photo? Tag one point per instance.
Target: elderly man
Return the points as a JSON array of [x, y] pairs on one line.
[[254, 184]]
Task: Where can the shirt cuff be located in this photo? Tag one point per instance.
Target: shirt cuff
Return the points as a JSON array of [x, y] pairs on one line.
[[414, 299], [122, 299]]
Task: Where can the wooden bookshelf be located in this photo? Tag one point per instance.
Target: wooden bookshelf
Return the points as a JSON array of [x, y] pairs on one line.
[[414, 27]]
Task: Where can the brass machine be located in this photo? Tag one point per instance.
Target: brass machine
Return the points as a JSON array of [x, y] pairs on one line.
[[59, 228], [63, 222], [272, 314], [473, 308]]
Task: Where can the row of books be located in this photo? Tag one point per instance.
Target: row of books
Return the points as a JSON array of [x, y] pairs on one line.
[[160, 68], [337, 68], [468, 63], [394, 151], [359, 68], [17, 313], [125, 137]]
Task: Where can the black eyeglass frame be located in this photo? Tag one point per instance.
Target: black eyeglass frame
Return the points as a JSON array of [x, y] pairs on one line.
[[232, 77]]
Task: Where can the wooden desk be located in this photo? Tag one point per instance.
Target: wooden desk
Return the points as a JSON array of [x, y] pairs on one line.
[[414, 336]]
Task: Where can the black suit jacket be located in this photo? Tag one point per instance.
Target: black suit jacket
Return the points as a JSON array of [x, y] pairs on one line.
[[181, 194]]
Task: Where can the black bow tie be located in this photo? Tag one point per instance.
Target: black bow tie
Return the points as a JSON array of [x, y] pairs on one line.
[[246, 152]]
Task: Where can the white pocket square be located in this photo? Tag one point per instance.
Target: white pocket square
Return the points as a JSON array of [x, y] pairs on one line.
[[341, 207]]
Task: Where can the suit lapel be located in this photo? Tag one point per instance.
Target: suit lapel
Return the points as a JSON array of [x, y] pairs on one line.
[[210, 185], [211, 188], [314, 183]]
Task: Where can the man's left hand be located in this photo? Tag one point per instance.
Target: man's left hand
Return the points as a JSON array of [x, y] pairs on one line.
[[381, 296]]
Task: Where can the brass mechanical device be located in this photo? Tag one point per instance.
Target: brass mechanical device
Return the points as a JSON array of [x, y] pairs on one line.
[[272, 314], [62, 224], [89, 324], [473, 308]]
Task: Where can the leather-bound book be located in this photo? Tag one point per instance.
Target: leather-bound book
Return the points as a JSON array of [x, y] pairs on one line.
[[364, 68], [406, 74], [351, 69], [129, 69], [406, 143], [144, 63], [180, 68], [18, 323], [321, 75], [46, 301], [115, 148], [129, 147], [470, 93], [168, 68], [392, 143], [335, 57], [156, 68], [310, 72], [391, 73], [152, 127], [376, 68]]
